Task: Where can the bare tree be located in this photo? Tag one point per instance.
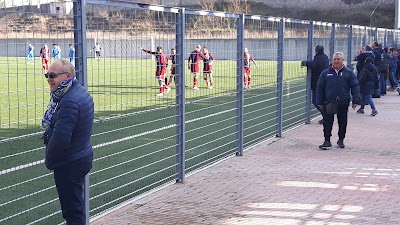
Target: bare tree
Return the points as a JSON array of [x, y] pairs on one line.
[[208, 5]]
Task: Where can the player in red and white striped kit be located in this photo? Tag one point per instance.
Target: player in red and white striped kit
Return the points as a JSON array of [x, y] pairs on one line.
[[194, 64], [161, 69], [45, 55], [247, 71], [207, 67]]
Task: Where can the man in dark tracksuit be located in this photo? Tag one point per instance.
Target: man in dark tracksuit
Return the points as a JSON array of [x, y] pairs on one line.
[[320, 63], [381, 66], [336, 82]]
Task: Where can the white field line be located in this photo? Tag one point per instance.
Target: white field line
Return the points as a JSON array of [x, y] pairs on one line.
[[13, 169]]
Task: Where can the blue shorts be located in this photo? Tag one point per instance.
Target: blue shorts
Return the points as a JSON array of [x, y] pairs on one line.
[[30, 56]]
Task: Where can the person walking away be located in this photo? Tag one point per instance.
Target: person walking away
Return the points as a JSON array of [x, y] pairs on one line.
[[333, 89], [368, 79], [68, 123], [317, 65]]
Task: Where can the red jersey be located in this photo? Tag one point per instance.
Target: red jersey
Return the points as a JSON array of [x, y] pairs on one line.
[[196, 56], [208, 58], [161, 59], [44, 53], [247, 59]]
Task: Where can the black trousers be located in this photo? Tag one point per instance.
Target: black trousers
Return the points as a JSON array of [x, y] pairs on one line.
[[69, 181], [342, 122]]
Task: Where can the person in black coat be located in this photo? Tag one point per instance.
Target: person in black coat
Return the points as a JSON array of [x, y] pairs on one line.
[[361, 56], [368, 80], [317, 65]]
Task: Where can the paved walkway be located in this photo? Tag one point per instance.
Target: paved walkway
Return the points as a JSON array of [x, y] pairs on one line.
[[289, 181]]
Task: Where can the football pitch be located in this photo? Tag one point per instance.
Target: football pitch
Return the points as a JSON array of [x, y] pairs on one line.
[[134, 135]]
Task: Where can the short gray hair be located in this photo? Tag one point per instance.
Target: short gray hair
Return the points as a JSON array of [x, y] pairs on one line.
[[67, 67], [338, 53]]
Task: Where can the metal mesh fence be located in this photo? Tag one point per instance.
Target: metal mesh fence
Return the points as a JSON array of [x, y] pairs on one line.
[[134, 137], [150, 131], [260, 97], [294, 79], [28, 193], [210, 52]]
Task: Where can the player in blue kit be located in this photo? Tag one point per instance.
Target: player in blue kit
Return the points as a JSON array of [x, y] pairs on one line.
[[72, 54]]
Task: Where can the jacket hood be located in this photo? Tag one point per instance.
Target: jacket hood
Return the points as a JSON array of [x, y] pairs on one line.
[[369, 66]]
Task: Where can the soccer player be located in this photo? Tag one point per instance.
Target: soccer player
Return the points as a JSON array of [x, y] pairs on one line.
[[30, 56], [72, 54], [207, 68], [194, 64], [161, 69], [173, 70], [56, 51], [45, 54], [247, 71], [97, 50]]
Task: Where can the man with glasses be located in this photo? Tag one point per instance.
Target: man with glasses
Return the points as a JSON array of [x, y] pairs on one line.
[[68, 123]]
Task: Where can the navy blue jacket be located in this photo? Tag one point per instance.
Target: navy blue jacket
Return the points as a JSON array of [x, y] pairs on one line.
[[320, 63], [361, 59], [332, 84], [368, 79], [379, 57], [70, 128]]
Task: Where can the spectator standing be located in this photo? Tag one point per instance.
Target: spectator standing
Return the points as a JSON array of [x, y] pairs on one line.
[[368, 80], [381, 66], [361, 56], [68, 121], [334, 86], [317, 65], [394, 83]]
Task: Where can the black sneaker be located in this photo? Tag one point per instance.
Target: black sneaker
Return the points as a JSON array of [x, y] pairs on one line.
[[326, 145], [374, 112], [340, 143], [360, 111]]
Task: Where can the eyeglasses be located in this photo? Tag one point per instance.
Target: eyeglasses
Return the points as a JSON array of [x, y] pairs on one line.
[[52, 75]]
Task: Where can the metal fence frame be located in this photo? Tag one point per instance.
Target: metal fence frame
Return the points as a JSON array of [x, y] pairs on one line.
[[370, 33]]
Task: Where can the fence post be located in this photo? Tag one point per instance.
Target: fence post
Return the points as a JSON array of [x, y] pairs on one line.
[[349, 48], [80, 41], [385, 38], [308, 78], [376, 34], [279, 81], [332, 41], [239, 85], [364, 43], [180, 95], [79, 10]]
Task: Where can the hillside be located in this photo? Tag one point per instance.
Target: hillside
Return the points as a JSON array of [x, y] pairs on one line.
[[336, 11]]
